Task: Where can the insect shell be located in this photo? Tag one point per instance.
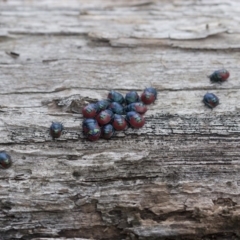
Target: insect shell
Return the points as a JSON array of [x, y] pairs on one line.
[[90, 110], [149, 95], [89, 123], [107, 131], [116, 108], [5, 160], [91, 129], [102, 105], [94, 134], [152, 90], [56, 129], [119, 123], [138, 107], [135, 119], [114, 96], [210, 100], [132, 97], [219, 76], [104, 117]]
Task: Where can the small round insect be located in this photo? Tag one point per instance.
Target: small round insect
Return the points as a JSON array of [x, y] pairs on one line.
[[116, 108], [102, 104], [89, 123], [219, 76], [90, 110], [135, 119], [107, 131], [56, 129], [91, 129], [132, 97], [5, 160], [138, 107], [114, 96], [149, 95], [210, 100], [152, 90], [104, 117], [94, 134], [119, 123]]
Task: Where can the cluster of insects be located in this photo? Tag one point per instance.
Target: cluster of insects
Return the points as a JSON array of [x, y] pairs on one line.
[[104, 117], [117, 113], [219, 76]]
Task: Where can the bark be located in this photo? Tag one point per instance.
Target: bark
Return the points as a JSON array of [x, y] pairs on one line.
[[177, 177]]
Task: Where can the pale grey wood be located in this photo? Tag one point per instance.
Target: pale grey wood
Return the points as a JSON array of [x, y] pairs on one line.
[[177, 177]]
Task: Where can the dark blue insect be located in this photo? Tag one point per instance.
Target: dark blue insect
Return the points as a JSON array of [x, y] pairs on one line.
[[94, 134], [89, 123], [104, 117], [102, 105], [135, 119], [210, 100], [149, 95], [119, 123], [116, 108], [91, 129], [219, 76], [56, 129], [5, 160], [151, 90], [114, 96], [132, 97], [107, 131], [137, 107], [90, 110]]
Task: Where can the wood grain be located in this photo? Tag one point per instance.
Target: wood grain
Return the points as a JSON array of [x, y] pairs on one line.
[[177, 177]]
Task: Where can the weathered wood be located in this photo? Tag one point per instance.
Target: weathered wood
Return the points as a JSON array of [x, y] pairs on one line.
[[177, 177]]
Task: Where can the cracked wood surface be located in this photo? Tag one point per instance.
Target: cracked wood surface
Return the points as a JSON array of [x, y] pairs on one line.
[[177, 177]]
